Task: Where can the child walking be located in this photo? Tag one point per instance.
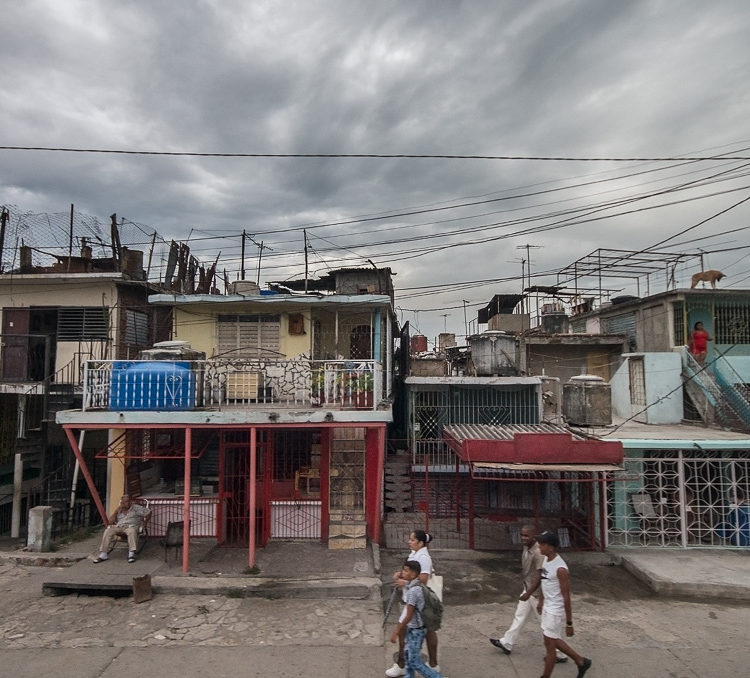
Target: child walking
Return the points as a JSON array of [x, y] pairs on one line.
[[412, 622]]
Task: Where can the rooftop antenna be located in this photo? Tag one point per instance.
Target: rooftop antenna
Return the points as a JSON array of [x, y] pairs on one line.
[[528, 247]]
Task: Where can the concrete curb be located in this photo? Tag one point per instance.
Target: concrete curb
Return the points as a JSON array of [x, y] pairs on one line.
[[51, 559], [696, 589], [358, 588]]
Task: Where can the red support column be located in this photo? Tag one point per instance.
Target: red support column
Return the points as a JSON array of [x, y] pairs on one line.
[[220, 535], [374, 461], [471, 510], [377, 528], [186, 502], [268, 455], [325, 483], [253, 458]]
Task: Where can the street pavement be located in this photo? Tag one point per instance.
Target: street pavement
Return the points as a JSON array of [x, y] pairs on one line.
[[621, 623]]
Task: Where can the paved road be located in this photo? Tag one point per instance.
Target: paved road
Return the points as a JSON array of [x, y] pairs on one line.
[[625, 629]]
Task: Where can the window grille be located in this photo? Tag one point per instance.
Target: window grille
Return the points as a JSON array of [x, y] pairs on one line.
[[732, 323], [678, 319], [637, 381], [82, 323]]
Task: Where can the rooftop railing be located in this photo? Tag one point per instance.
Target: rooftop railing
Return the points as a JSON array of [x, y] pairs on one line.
[[232, 383]]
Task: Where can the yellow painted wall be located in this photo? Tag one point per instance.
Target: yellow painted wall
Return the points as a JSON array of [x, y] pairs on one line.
[[197, 324], [115, 472]]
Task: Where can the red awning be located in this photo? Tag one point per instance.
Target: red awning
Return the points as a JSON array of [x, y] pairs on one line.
[[542, 444]]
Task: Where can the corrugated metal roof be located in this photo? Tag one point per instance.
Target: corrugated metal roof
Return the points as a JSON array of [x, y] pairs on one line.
[[587, 468], [463, 432]]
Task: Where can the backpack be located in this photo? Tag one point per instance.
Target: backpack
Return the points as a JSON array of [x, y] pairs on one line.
[[432, 612]]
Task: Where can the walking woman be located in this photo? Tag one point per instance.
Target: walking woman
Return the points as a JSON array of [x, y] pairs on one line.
[[418, 541]]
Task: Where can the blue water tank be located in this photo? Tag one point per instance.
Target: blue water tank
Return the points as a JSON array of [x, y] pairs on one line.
[[152, 385]]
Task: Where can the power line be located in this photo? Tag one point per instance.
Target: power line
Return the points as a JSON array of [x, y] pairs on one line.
[[415, 156]]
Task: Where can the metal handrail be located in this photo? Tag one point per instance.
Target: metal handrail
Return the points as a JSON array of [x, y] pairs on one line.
[[231, 382]]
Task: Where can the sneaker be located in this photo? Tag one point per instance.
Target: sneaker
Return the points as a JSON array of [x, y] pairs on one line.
[[435, 668], [561, 659], [131, 557], [499, 644], [395, 671], [101, 558], [584, 667]]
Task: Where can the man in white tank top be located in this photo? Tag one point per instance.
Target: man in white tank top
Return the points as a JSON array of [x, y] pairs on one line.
[[554, 606]]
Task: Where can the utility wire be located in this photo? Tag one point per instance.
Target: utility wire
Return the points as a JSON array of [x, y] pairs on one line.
[[427, 156]]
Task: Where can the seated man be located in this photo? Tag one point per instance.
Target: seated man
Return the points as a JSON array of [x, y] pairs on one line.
[[126, 520]]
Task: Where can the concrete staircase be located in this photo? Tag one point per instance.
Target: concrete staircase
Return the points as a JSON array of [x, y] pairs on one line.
[[398, 482]]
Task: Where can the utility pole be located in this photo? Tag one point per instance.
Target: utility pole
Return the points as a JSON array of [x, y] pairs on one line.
[[260, 245], [4, 217], [528, 249], [523, 281], [242, 257], [70, 237], [466, 324], [260, 258], [304, 235]]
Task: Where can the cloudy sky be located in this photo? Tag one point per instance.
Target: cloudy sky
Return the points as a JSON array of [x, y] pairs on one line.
[[635, 87]]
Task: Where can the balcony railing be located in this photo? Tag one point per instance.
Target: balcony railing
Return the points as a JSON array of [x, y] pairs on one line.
[[232, 383]]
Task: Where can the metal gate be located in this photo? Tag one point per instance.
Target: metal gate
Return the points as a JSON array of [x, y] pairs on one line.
[[682, 498], [234, 488]]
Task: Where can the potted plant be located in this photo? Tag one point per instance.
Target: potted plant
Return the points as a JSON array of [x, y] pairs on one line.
[[318, 388], [363, 395]]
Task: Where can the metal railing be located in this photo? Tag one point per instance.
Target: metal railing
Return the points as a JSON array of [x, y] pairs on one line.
[[232, 382], [731, 405]]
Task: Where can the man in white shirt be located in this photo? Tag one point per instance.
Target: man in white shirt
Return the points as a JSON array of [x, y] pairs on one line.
[[531, 568], [554, 606]]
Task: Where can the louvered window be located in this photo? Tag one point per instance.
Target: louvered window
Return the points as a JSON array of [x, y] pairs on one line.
[[82, 323], [247, 336], [136, 328]]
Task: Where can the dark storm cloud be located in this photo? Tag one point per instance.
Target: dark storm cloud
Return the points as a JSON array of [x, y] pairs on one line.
[[583, 78]]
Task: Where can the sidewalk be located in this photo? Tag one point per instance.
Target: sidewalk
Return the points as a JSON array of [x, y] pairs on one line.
[[690, 573], [308, 570], [312, 570]]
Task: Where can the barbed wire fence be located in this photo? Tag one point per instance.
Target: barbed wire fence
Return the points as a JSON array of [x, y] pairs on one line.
[[48, 235]]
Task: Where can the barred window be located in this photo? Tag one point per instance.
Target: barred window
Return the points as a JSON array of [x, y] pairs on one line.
[[678, 312], [732, 324], [82, 323]]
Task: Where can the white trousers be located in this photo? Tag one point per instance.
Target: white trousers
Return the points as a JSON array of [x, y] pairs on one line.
[[524, 610]]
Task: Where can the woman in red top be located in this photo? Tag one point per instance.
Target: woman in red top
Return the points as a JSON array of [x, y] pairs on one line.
[[699, 339]]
